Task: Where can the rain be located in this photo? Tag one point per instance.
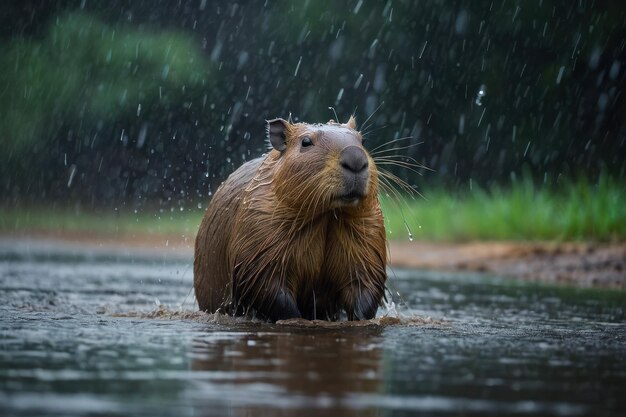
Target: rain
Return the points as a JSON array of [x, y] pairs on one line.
[[181, 85], [498, 131]]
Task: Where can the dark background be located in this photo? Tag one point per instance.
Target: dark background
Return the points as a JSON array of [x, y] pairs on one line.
[[127, 103]]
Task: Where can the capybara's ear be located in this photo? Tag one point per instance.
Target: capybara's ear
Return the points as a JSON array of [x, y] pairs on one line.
[[351, 123], [276, 133]]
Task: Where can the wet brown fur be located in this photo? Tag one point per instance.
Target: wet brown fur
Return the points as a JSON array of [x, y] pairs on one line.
[[276, 242]]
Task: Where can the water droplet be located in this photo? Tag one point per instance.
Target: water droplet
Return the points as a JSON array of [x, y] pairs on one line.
[[560, 75], [482, 91], [339, 95], [358, 81], [295, 74], [72, 173], [408, 231]]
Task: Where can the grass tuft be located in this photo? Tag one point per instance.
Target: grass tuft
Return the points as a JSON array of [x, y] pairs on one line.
[[575, 211]]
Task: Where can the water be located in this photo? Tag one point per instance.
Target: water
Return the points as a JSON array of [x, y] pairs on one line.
[[505, 348]]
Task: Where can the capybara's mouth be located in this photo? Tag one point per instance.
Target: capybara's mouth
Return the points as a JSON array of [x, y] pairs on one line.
[[351, 197]]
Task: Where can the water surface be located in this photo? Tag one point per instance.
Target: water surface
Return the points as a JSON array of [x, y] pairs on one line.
[[505, 348]]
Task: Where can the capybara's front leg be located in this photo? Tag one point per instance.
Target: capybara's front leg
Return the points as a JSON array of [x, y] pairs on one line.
[[284, 307], [363, 306]]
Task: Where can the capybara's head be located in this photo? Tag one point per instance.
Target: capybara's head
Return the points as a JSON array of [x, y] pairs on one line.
[[319, 167]]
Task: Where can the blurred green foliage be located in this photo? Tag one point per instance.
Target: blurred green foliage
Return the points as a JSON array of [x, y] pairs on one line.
[[85, 71], [119, 103], [576, 210]]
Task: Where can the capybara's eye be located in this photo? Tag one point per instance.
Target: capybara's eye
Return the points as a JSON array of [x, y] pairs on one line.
[[306, 141]]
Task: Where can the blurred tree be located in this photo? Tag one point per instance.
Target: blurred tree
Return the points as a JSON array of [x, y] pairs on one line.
[[88, 93]]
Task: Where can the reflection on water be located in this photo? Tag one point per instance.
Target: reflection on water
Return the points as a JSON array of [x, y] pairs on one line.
[[506, 349], [265, 373]]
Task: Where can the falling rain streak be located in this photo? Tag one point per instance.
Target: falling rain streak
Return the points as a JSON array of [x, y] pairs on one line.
[[560, 75], [295, 73]]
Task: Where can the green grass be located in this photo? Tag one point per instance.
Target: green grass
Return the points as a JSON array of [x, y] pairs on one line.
[[112, 222], [575, 211]]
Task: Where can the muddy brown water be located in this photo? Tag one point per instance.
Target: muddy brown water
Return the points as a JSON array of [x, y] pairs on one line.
[[88, 331]]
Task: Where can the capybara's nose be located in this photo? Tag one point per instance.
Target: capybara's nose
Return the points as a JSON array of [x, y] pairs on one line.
[[353, 159]]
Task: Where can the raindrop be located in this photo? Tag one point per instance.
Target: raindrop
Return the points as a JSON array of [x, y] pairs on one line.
[[372, 49], [72, 173], [242, 59], [339, 96], [165, 71], [517, 9], [560, 74], [603, 100], [295, 74], [358, 7], [408, 229], [142, 135], [423, 49], [576, 45], [482, 91], [481, 116], [594, 58], [358, 81], [527, 147], [461, 22], [614, 71]]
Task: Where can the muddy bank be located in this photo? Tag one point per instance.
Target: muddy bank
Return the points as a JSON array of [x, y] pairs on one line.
[[580, 264]]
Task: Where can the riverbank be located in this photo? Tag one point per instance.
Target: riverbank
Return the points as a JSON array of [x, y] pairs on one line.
[[601, 265]]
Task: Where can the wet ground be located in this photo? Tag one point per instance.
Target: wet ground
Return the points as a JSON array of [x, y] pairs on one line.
[[112, 331]]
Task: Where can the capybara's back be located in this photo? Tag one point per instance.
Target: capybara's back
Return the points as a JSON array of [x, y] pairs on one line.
[[211, 266]]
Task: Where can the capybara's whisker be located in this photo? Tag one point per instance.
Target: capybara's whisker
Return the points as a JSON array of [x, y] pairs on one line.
[[372, 151]]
